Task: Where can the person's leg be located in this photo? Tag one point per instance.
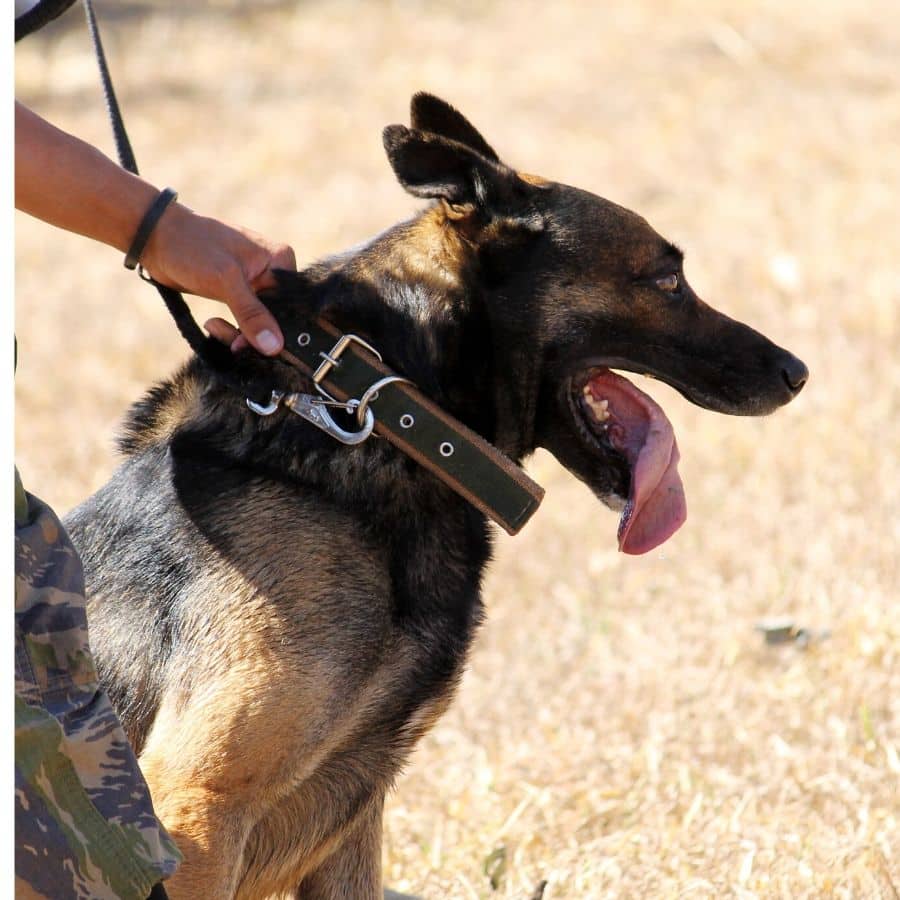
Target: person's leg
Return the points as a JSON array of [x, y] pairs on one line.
[[85, 825]]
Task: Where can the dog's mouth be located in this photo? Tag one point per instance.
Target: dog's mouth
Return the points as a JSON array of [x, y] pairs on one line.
[[622, 419]]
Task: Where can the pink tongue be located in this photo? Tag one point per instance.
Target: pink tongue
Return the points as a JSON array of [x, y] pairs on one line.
[[639, 430]]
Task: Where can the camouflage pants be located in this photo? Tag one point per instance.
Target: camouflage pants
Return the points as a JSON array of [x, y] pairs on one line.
[[85, 826]]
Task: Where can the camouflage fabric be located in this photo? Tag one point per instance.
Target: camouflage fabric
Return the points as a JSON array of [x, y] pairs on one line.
[[85, 826]]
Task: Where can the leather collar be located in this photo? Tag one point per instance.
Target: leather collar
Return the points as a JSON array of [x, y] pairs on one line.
[[349, 373]]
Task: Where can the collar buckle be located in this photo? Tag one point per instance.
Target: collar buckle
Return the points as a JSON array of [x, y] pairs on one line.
[[332, 359]]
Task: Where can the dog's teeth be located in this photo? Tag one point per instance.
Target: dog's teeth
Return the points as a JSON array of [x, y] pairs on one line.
[[600, 408]]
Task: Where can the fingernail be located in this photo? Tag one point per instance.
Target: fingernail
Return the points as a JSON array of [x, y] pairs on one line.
[[267, 342]]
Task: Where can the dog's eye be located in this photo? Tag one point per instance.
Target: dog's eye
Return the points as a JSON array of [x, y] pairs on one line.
[[669, 284]]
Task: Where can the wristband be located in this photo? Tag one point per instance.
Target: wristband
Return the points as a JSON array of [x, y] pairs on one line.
[[148, 223]]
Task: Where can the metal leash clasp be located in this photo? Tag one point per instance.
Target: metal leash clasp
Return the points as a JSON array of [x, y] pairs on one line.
[[315, 410], [268, 410]]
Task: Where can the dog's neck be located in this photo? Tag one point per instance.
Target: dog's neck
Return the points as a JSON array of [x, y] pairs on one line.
[[417, 293], [420, 293]]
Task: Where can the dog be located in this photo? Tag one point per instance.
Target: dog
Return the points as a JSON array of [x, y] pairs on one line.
[[278, 617]]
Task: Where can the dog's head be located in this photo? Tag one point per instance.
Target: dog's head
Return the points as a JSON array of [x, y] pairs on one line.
[[577, 286]]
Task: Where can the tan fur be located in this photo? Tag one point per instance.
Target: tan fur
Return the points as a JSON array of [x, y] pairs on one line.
[[431, 254], [245, 773], [182, 406]]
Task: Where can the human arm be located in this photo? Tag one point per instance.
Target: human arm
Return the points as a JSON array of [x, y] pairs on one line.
[[74, 186]]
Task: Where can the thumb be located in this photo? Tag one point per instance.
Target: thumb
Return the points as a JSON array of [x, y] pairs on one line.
[[256, 322]]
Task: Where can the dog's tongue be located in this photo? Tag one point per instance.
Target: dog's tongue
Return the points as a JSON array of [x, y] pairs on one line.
[[639, 429]]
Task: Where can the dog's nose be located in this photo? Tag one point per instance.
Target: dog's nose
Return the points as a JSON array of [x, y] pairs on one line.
[[795, 373]]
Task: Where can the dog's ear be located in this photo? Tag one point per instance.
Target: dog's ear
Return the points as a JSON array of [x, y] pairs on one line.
[[439, 168], [430, 113]]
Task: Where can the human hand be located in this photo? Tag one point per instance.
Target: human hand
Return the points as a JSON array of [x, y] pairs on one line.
[[202, 256]]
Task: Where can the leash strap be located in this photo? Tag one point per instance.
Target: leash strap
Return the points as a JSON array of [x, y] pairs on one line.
[[175, 303], [123, 145], [338, 365], [462, 459]]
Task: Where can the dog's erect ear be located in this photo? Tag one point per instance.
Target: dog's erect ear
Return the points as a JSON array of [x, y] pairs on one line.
[[435, 167], [439, 168], [430, 113]]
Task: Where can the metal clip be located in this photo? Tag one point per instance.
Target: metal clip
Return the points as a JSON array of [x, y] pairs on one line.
[[362, 406], [315, 411], [274, 403]]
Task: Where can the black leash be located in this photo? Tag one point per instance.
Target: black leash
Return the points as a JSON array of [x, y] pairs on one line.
[[123, 145]]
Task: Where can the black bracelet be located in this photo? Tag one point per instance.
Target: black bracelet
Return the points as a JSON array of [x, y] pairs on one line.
[[148, 223]]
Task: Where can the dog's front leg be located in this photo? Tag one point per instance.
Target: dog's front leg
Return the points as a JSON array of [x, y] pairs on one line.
[[212, 842], [354, 868], [209, 832], [203, 795]]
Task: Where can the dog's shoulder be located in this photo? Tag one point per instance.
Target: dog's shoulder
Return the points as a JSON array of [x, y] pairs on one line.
[[154, 419]]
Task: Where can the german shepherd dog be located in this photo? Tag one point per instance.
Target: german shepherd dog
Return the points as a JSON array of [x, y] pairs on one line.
[[279, 618]]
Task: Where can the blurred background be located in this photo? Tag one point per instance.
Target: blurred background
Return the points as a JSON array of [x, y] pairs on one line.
[[623, 730]]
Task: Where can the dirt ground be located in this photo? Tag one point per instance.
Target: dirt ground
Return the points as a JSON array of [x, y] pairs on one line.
[[623, 731]]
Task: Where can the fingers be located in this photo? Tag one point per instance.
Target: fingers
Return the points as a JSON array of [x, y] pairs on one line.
[[226, 333], [222, 331], [258, 327], [255, 322], [282, 257]]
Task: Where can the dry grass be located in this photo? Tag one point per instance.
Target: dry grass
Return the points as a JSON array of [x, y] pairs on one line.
[[622, 730]]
